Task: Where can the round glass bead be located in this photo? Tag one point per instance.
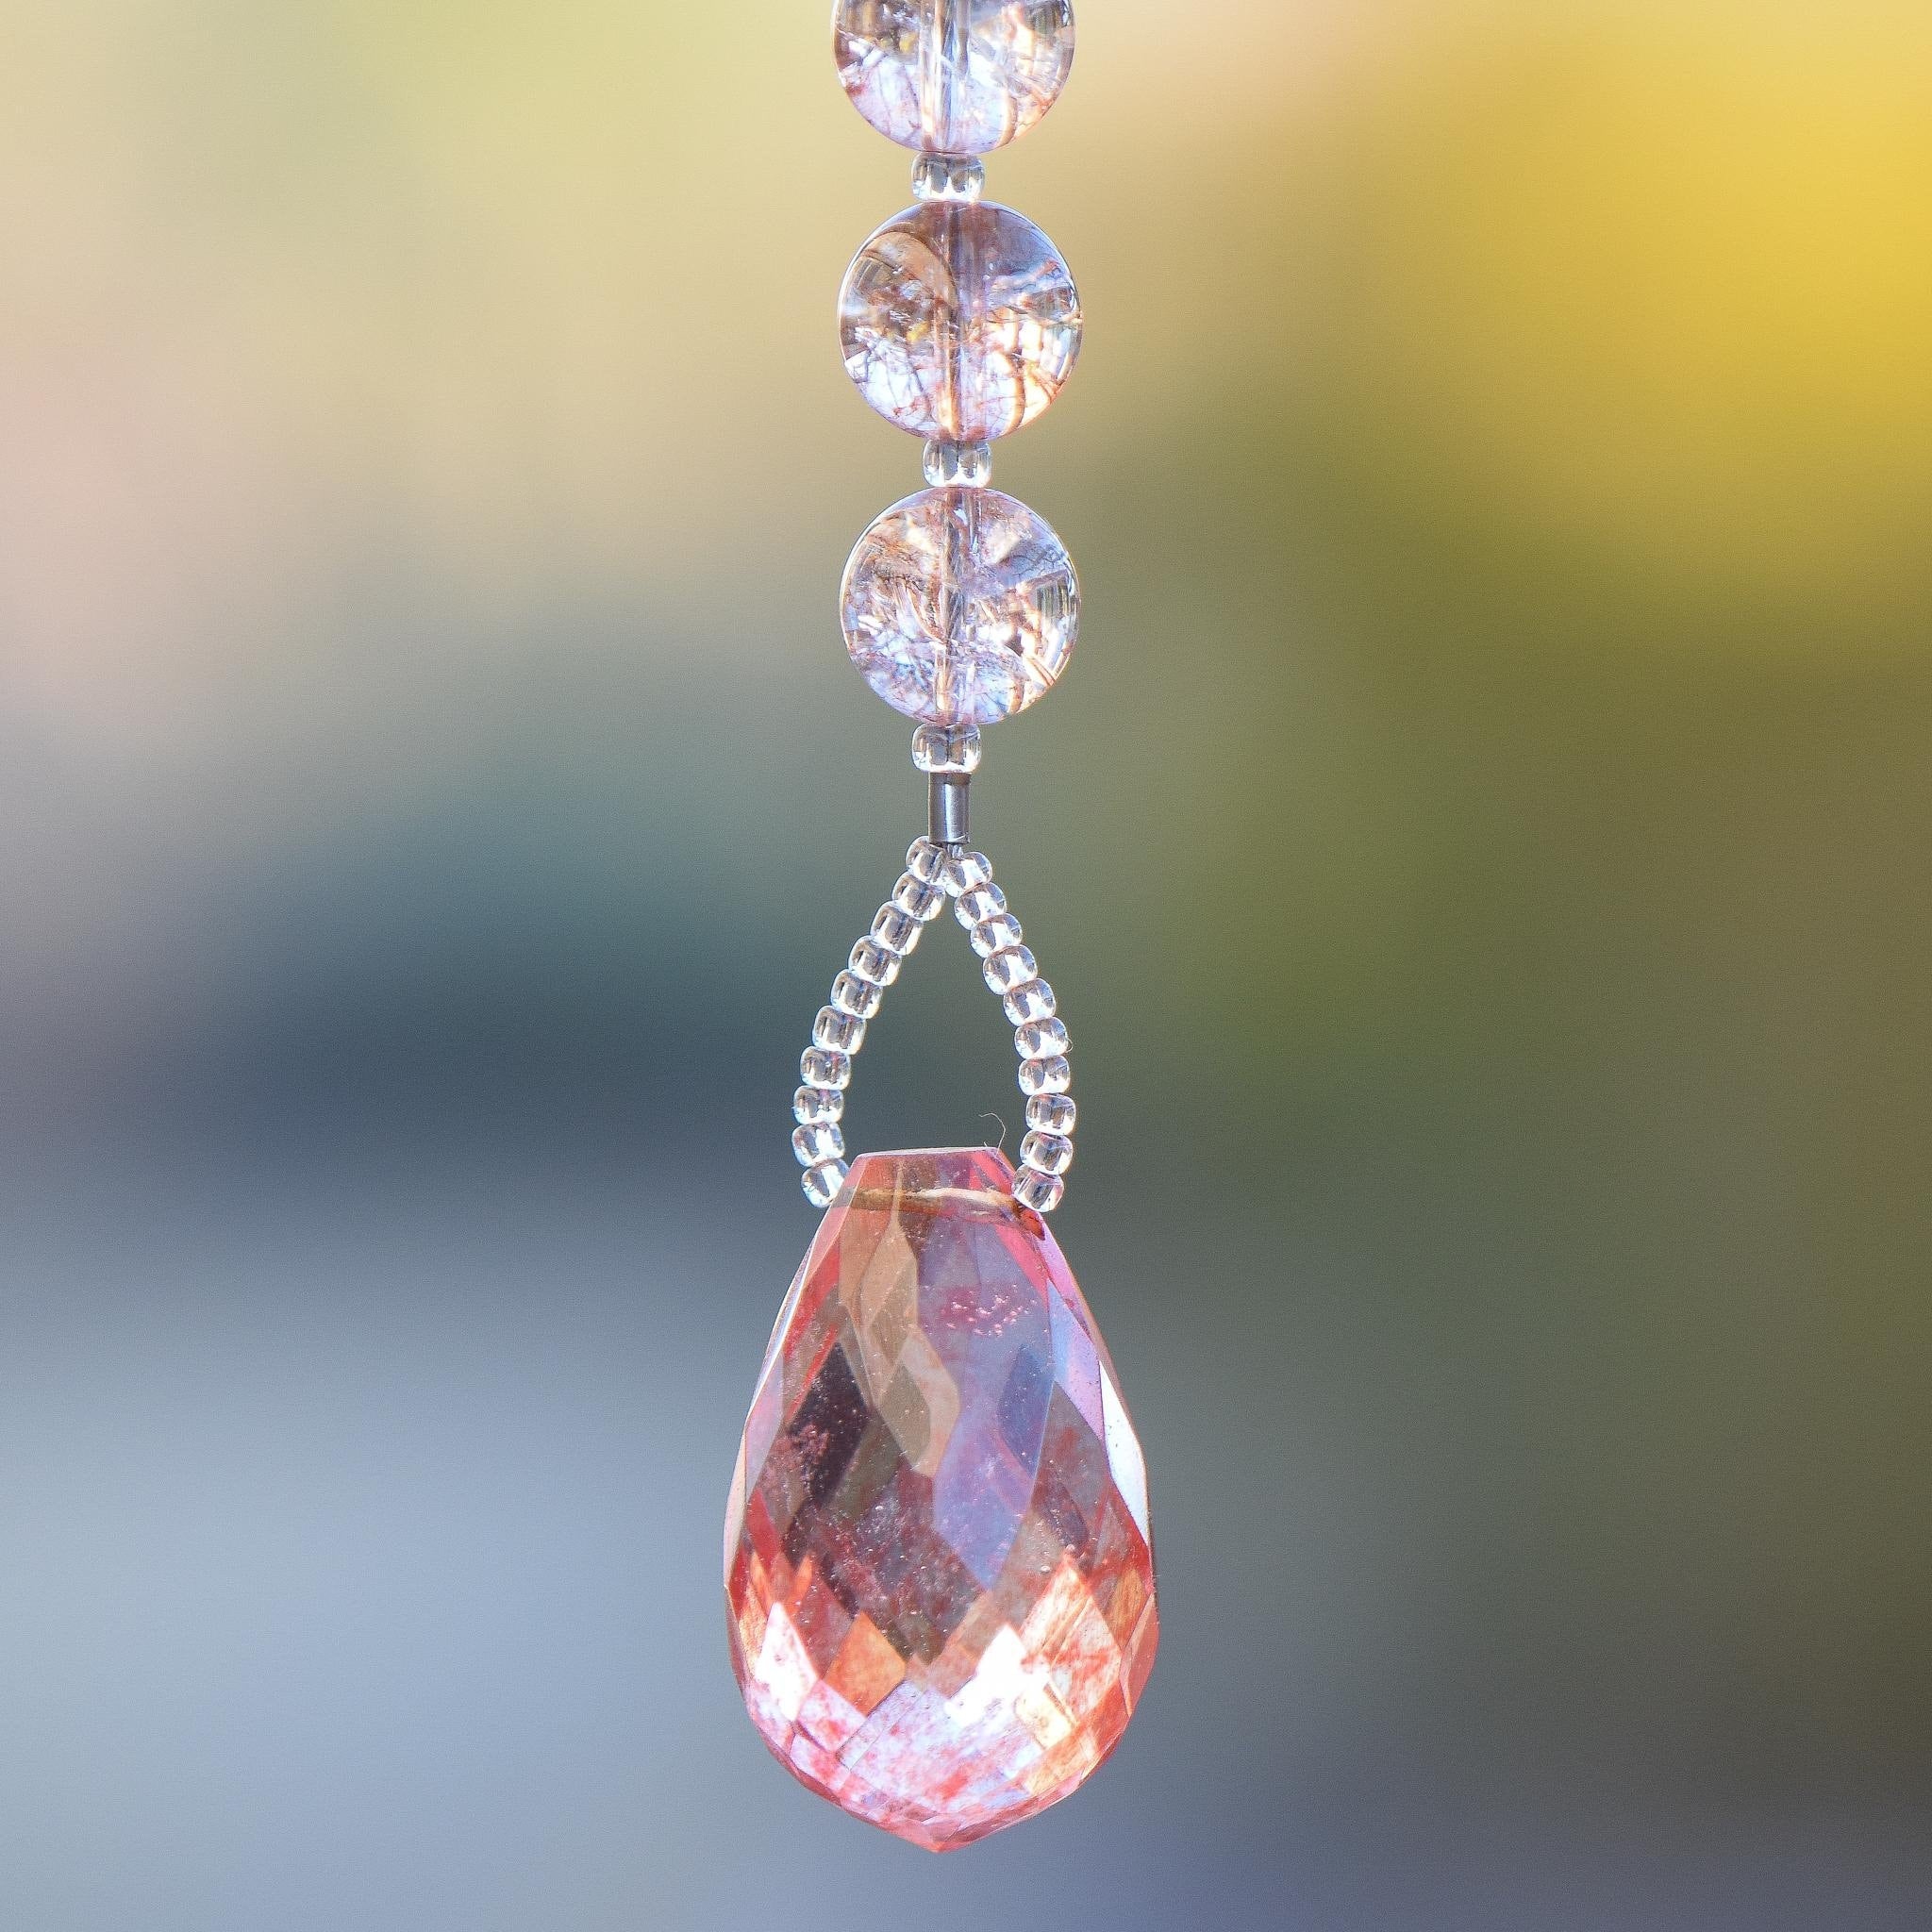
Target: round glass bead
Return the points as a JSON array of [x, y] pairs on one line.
[[949, 749], [838, 1032], [870, 960], [926, 861], [1046, 1077], [948, 177], [1033, 1001], [1013, 966], [816, 1146], [1052, 1113], [959, 323], [982, 901], [1040, 1192], [953, 77], [965, 872], [810, 1104], [968, 464], [1040, 1039], [961, 606], [822, 1068], [822, 1184], [918, 899], [898, 932], [857, 996], [999, 934], [1049, 1153]]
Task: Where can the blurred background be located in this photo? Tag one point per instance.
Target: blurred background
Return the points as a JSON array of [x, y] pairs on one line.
[[1480, 846]]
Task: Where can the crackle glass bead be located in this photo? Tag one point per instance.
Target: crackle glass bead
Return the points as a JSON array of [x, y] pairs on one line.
[[1040, 1039], [959, 325], [838, 1032], [982, 901], [822, 1068], [999, 934], [1012, 967], [953, 77], [857, 996], [817, 1144], [1040, 1192], [916, 899], [898, 932], [822, 1184], [870, 960], [1052, 1113], [1033, 1001], [1049, 1153], [1046, 1077], [961, 606], [811, 1105]]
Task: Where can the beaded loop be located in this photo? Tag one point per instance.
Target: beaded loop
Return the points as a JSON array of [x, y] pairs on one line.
[[933, 874]]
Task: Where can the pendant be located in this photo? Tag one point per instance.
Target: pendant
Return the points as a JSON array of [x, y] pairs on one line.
[[939, 1569]]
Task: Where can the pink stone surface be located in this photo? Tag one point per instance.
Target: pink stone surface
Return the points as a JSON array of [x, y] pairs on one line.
[[939, 1573]]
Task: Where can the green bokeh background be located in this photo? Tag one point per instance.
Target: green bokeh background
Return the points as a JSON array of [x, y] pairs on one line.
[[1479, 845]]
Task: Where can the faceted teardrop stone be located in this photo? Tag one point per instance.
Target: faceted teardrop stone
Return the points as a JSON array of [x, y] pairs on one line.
[[959, 322], [953, 77], [961, 606], [938, 1569]]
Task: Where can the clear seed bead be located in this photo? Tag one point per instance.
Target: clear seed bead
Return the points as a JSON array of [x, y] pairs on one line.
[[1000, 934], [1052, 1113], [1049, 1153], [960, 324], [1033, 1001], [1041, 1039], [966, 465], [857, 996], [946, 748], [916, 899], [1013, 967], [870, 960], [817, 1144], [838, 1032], [822, 1068], [898, 932], [1040, 1192], [926, 861], [965, 871], [948, 177], [958, 79], [982, 901], [1046, 1077], [822, 1184], [811, 1105], [959, 607]]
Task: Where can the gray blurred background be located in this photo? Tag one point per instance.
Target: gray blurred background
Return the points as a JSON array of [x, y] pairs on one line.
[[1479, 845]]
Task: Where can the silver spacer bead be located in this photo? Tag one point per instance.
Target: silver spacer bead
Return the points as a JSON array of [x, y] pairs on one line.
[[948, 177], [950, 465]]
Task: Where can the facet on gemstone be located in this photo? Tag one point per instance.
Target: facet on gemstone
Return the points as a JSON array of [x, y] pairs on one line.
[[960, 324], [953, 77], [939, 1572], [961, 606]]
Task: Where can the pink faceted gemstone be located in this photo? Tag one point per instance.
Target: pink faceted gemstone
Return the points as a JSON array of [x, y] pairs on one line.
[[937, 1567]]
